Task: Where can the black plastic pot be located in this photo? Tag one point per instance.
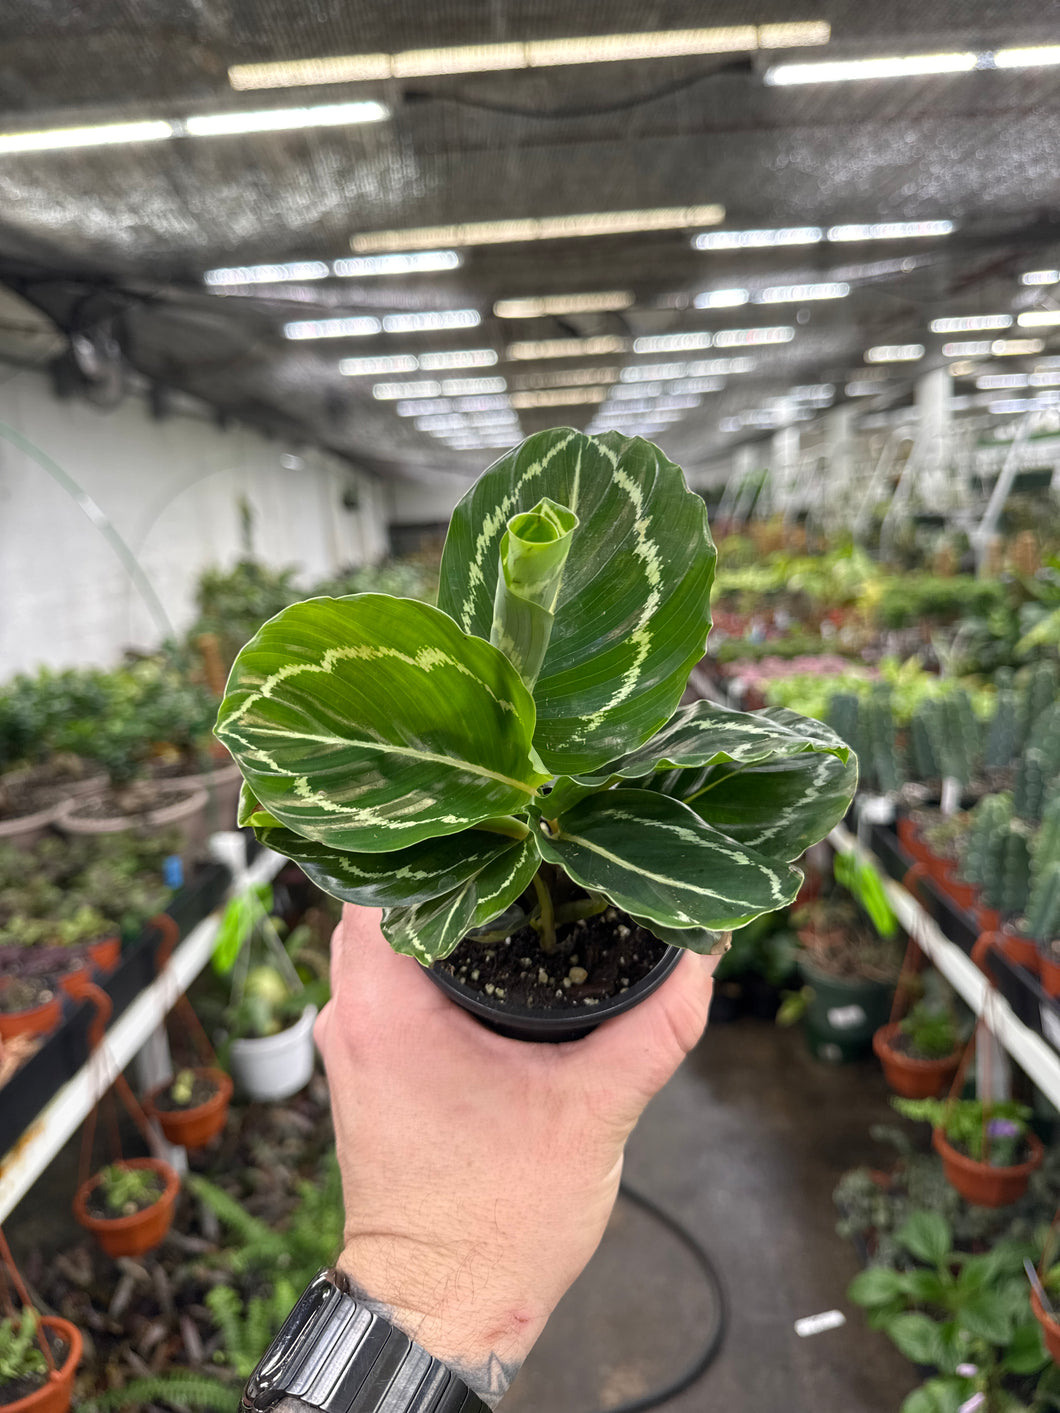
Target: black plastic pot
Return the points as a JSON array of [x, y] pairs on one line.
[[553, 1026]]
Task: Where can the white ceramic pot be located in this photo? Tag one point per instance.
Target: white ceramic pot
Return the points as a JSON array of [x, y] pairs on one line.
[[276, 1066]]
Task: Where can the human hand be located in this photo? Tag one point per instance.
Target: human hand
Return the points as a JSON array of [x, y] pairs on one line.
[[479, 1172]]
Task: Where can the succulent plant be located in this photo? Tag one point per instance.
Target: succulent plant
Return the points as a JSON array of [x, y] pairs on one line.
[[1002, 737], [1043, 908], [1039, 765], [1038, 692]]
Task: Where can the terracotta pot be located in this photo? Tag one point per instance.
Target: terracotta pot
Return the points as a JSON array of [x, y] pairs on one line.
[[55, 1395], [982, 1183], [1050, 1328], [963, 894], [989, 919], [36, 1020], [105, 954], [193, 1128], [910, 840], [140, 1232], [73, 983], [1023, 951], [1049, 974], [908, 1076]]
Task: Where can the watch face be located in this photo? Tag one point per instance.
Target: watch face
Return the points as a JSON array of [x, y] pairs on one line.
[[283, 1356]]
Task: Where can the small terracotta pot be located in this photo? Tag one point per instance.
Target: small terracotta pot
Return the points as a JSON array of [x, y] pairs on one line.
[[1023, 951], [193, 1128], [1050, 1328], [908, 1076], [36, 1020], [105, 954], [73, 983], [982, 1183], [140, 1232], [963, 894], [989, 919], [55, 1395], [911, 842]]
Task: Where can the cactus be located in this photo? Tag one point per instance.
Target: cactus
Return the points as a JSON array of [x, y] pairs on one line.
[[1002, 736], [1039, 692], [878, 716], [982, 854], [1046, 849], [1039, 765], [1016, 872], [925, 741], [843, 718], [961, 741], [1043, 908]]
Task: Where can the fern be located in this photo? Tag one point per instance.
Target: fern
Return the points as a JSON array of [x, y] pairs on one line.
[[179, 1389]]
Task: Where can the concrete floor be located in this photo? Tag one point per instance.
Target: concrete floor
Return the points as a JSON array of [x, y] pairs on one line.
[[744, 1147]]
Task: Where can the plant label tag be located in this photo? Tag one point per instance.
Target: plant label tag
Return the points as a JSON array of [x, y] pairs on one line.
[[817, 1324], [1051, 1026], [845, 1017]]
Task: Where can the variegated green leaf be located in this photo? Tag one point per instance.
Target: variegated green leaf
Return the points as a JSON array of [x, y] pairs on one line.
[[533, 553], [370, 723], [703, 940], [633, 610], [250, 813], [430, 930], [781, 807], [656, 859], [406, 877]]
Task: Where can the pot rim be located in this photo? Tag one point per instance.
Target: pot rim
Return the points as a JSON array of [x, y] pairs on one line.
[[881, 1041], [946, 1150], [266, 1044], [134, 1219], [1038, 1310], [193, 798], [222, 1093], [64, 1374]]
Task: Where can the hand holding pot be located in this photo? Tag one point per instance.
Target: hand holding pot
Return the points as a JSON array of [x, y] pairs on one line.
[[479, 1172]]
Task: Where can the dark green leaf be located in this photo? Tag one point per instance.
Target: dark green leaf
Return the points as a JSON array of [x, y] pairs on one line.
[[1026, 1352], [927, 1236], [654, 858], [633, 611], [370, 723], [876, 1285], [916, 1336], [986, 1316]]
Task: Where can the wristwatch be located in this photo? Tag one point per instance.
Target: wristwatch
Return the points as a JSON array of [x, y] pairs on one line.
[[335, 1355]]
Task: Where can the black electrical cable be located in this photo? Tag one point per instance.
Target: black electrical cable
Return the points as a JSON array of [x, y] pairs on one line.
[[622, 105], [707, 1353]]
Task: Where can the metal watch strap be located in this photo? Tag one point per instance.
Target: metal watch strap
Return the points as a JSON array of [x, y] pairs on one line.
[[335, 1355]]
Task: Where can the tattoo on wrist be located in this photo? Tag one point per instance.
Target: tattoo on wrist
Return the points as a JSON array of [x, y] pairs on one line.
[[490, 1379]]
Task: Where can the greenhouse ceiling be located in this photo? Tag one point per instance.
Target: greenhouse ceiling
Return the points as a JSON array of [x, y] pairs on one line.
[[407, 231]]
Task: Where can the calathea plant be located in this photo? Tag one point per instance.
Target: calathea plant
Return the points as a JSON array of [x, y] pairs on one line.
[[453, 765]]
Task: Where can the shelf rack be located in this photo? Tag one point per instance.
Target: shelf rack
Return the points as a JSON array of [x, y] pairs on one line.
[[131, 1033]]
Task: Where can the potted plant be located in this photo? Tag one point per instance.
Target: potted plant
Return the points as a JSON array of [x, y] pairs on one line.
[[27, 1383], [510, 776], [128, 1206], [987, 1150], [919, 1053], [28, 1006], [192, 1107]]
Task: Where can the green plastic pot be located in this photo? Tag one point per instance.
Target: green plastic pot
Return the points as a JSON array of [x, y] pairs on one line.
[[843, 1016]]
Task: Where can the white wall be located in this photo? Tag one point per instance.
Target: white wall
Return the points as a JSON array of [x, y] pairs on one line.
[[172, 490], [424, 503]]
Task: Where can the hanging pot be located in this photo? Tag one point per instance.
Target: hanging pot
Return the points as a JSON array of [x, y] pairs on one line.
[[193, 1127], [275, 1066], [911, 1077], [41, 1019], [55, 1394], [983, 1184], [140, 1231], [1050, 1328]]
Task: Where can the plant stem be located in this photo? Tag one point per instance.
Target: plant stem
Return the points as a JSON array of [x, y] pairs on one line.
[[546, 923], [586, 907], [506, 824]]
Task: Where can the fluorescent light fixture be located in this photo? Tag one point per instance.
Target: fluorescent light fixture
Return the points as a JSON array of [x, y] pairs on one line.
[[634, 390], [1034, 56], [672, 343], [423, 406], [431, 319], [460, 387], [963, 368], [566, 378], [1039, 318], [527, 54], [488, 402], [355, 328], [458, 358], [558, 397], [322, 115], [891, 230], [971, 323], [360, 267], [753, 338], [753, 240], [1045, 380], [796, 294], [98, 135], [390, 392], [383, 363], [1019, 404], [1003, 380], [596, 223], [533, 308], [695, 385], [1041, 277], [812, 392], [1015, 348], [721, 298], [712, 367], [701, 368], [863, 389], [268, 274], [492, 419], [650, 372], [441, 422], [634, 408], [566, 348], [968, 348], [894, 66], [894, 353]]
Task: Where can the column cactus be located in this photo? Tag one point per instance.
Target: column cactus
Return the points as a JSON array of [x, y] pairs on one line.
[[1043, 906], [882, 753], [1038, 692], [1039, 765], [1002, 737], [924, 741], [984, 845]]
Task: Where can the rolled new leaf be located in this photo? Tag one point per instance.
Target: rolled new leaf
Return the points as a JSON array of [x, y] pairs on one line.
[[657, 860], [533, 551], [369, 723]]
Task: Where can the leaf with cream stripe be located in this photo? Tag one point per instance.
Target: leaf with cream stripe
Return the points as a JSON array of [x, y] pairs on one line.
[[633, 610], [655, 858], [369, 723]]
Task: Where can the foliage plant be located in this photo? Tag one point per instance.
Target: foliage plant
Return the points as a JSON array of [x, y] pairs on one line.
[[21, 1357], [967, 1315], [527, 734], [990, 1131], [266, 996], [127, 1190], [931, 1031]]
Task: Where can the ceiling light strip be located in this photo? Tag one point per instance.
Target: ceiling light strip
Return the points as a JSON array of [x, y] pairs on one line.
[[595, 223], [533, 308], [890, 66]]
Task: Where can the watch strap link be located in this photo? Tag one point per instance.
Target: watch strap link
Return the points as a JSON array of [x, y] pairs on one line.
[[335, 1355]]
